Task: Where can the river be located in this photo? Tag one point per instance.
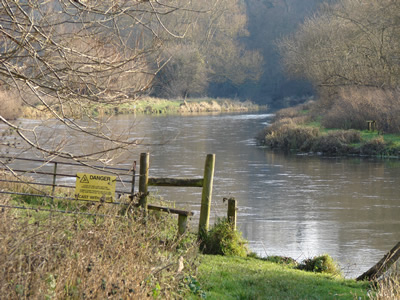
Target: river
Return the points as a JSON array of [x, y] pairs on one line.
[[289, 205]]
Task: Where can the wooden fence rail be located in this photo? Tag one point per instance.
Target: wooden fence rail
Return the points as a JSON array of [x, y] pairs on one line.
[[206, 183]]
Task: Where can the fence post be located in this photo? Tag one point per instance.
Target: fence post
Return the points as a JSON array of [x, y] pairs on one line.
[[133, 179], [143, 178], [54, 179], [206, 193], [232, 212]]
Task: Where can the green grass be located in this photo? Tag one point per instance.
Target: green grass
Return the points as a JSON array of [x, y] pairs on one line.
[[222, 277]]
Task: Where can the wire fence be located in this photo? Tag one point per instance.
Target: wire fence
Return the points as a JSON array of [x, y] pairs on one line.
[[27, 177], [36, 178]]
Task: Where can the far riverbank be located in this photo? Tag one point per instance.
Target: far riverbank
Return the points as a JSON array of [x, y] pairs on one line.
[[299, 130], [148, 105]]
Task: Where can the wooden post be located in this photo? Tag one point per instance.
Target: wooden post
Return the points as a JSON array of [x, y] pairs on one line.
[[144, 178], [133, 179], [53, 188], [206, 193], [371, 125], [182, 224], [232, 212], [383, 265]]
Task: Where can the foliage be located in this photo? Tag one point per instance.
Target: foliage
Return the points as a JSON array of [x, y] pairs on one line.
[[320, 264], [223, 277], [222, 239]]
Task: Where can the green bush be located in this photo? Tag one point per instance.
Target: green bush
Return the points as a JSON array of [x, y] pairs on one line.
[[222, 239], [283, 260], [320, 264]]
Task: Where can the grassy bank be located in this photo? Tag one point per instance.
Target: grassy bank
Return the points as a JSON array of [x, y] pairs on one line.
[[249, 278], [148, 105], [299, 130]]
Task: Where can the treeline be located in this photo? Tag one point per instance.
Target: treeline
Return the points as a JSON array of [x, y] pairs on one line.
[[350, 52], [91, 52], [210, 50]]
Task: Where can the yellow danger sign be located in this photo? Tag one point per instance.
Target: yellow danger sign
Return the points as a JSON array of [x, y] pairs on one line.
[[94, 187]]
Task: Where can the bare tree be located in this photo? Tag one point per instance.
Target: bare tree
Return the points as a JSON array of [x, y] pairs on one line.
[[349, 43], [65, 56]]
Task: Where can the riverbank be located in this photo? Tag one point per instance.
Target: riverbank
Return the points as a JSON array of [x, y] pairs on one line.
[[297, 130], [108, 252], [148, 105], [105, 257]]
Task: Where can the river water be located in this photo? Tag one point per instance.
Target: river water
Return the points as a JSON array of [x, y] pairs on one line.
[[290, 205]]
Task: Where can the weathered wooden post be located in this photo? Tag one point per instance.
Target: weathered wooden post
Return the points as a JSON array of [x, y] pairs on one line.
[[133, 179], [54, 179], [371, 125], [143, 178], [206, 194], [182, 223], [232, 212]]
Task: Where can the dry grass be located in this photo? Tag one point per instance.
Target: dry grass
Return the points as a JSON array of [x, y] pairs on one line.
[[353, 107], [64, 256], [287, 135], [10, 104], [297, 114], [387, 289]]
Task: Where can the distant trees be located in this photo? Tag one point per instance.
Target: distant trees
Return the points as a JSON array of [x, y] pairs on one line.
[[350, 43], [210, 51], [350, 51]]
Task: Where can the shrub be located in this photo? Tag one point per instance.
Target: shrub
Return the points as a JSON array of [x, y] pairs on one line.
[[296, 113], [376, 146], [320, 264], [222, 239], [283, 260], [290, 136], [337, 142], [353, 107]]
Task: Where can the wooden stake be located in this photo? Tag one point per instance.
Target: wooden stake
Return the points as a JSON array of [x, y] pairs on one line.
[[383, 265], [144, 178], [232, 212], [207, 193]]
